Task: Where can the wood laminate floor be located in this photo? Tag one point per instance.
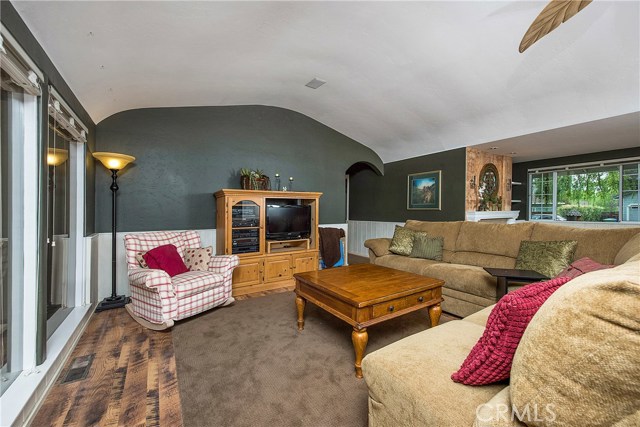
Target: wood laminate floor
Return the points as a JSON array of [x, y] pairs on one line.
[[132, 380]]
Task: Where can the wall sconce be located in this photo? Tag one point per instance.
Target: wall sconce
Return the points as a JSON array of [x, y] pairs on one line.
[[472, 182]]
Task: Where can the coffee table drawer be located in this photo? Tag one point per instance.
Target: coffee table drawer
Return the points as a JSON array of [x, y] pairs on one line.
[[389, 307], [419, 298]]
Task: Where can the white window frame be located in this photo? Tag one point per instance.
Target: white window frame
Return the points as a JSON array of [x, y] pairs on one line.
[[619, 163], [20, 400]]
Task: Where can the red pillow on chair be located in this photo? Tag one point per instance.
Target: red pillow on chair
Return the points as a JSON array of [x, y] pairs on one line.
[[165, 258], [490, 359]]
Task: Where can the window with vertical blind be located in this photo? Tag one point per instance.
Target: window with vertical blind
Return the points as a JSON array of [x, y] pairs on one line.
[[601, 192]]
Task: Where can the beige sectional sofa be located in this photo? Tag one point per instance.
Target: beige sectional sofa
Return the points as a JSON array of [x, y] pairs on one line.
[[576, 365], [469, 246]]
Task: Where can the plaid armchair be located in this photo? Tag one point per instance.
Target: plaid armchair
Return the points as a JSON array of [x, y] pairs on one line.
[[157, 300]]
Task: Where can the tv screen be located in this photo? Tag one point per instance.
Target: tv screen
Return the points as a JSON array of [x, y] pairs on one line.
[[288, 222]]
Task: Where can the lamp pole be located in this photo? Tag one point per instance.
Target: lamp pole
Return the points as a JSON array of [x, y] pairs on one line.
[[113, 162], [114, 189]]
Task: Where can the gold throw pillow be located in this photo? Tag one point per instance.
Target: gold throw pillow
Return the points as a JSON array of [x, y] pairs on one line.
[[546, 257], [402, 242]]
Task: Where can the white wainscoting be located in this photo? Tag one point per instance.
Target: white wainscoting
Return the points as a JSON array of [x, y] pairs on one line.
[[100, 272], [359, 231]]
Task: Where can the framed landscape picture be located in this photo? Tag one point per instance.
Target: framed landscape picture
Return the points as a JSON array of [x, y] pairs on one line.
[[423, 190]]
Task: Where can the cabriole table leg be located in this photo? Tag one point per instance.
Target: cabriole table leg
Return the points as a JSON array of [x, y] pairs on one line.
[[359, 337], [434, 314], [300, 303]]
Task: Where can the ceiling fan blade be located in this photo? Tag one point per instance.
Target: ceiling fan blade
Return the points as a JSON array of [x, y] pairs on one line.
[[554, 14]]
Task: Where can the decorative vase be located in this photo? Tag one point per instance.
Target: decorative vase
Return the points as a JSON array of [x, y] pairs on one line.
[[248, 183], [245, 183], [263, 183]]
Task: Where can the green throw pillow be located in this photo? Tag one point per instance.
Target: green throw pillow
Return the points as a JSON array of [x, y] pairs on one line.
[[546, 257], [427, 247], [402, 241]]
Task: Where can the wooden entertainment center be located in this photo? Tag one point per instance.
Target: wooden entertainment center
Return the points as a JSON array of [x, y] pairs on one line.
[[241, 229]]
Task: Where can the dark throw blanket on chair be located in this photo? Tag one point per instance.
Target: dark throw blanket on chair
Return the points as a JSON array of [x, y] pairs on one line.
[[330, 245]]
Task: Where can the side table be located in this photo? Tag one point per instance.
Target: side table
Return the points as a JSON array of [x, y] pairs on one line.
[[506, 275]]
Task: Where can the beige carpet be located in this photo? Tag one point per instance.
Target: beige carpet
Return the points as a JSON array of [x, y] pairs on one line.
[[247, 365]]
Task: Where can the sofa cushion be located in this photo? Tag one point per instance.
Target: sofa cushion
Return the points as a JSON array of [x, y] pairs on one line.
[[628, 251], [548, 257], [195, 282], [380, 247], [480, 317], [589, 370], [491, 238], [483, 260], [466, 278], [399, 262], [636, 257], [427, 247], [409, 380], [463, 304], [599, 244], [447, 229], [490, 359], [497, 412], [402, 241]]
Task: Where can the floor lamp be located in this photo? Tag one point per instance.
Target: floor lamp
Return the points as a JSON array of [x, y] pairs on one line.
[[114, 162]]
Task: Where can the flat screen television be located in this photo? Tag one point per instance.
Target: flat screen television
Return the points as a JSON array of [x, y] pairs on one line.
[[288, 222]]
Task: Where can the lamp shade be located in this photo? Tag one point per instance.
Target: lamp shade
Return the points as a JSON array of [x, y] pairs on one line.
[[57, 156], [113, 161]]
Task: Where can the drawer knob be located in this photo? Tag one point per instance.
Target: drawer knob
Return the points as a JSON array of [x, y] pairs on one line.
[[391, 308], [420, 299]]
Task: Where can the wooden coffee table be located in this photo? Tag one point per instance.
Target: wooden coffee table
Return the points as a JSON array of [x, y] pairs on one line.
[[365, 294]]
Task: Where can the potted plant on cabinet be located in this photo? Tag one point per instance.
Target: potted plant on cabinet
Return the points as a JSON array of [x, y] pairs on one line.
[[254, 179]]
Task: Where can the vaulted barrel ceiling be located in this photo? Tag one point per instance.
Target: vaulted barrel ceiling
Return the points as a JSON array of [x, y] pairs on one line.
[[404, 78]]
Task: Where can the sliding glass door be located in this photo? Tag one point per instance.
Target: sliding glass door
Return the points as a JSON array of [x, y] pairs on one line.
[[11, 254], [20, 190], [41, 189], [60, 266]]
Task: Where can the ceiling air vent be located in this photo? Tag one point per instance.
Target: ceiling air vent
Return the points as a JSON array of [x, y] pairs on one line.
[[315, 83]]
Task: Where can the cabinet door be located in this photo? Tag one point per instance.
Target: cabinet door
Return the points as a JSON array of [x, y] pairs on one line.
[[248, 272], [277, 268], [246, 231], [305, 262]]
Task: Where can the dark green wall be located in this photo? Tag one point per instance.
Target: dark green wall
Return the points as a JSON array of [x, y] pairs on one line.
[[16, 26], [520, 170], [184, 155], [384, 198]]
